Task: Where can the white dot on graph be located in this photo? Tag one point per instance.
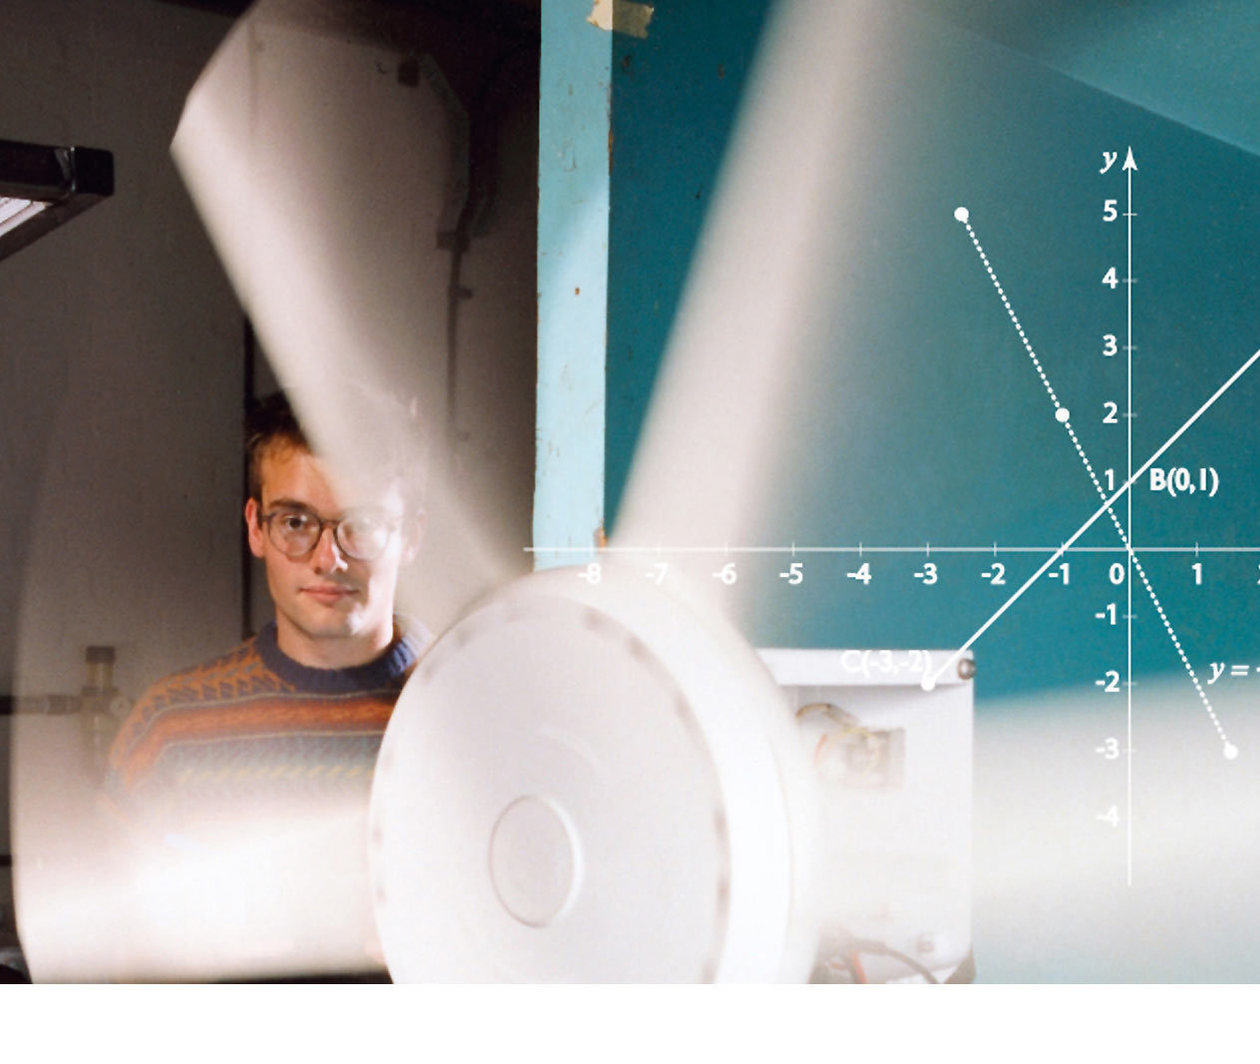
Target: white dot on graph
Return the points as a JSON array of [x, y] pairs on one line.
[[962, 214], [1062, 415]]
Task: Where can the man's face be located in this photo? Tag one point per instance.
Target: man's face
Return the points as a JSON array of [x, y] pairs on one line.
[[332, 611]]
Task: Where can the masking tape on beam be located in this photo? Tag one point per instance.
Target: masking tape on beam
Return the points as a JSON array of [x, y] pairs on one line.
[[621, 16]]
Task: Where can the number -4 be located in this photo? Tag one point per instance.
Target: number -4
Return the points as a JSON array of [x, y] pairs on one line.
[[1110, 214], [863, 573], [1111, 816]]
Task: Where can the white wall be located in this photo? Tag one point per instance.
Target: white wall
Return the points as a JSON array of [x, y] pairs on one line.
[[120, 364]]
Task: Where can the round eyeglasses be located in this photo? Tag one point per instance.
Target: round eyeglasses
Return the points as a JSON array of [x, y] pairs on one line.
[[361, 535]]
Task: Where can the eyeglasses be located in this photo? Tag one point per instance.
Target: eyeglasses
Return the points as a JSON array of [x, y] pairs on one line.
[[361, 535]]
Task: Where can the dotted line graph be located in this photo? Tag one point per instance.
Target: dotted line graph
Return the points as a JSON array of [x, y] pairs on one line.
[[1063, 416]]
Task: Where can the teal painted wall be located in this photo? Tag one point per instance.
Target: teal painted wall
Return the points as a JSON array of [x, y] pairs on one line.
[[929, 425], [675, 95]]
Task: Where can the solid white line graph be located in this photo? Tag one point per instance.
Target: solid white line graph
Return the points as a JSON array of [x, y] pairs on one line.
[[1124, 531], [1063, 416]]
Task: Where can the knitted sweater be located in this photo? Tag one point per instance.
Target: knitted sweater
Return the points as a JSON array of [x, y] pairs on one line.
[[255, 727]]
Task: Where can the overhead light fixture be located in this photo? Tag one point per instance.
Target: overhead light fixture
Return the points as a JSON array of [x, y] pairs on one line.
[[42, 186]]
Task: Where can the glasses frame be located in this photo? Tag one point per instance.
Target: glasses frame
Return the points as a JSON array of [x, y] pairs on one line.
[[264, 520]]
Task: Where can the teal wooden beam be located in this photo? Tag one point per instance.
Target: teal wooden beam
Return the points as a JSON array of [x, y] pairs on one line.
[[573, 202]]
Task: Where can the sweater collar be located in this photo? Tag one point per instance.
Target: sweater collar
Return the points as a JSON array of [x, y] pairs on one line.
[[389, 670]]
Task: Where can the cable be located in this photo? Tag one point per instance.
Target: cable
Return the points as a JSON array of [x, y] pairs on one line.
[[869, 946]]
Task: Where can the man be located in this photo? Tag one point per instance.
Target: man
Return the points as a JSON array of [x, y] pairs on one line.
[[240, 787], [305, 701]]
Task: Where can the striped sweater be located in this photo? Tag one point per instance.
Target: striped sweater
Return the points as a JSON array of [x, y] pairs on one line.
[[255, 727]]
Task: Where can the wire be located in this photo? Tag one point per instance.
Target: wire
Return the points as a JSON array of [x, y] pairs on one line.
[[868, 946]]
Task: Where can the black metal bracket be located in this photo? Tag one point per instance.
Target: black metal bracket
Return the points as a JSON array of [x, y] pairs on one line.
[[68, 180]]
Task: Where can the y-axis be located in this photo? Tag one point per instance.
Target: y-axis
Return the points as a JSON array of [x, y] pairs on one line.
[[1129, 167]]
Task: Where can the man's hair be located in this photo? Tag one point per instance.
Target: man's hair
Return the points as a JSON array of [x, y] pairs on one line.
[[271, 422]]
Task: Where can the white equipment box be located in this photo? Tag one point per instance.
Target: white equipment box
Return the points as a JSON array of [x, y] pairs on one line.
[[894, 774]]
